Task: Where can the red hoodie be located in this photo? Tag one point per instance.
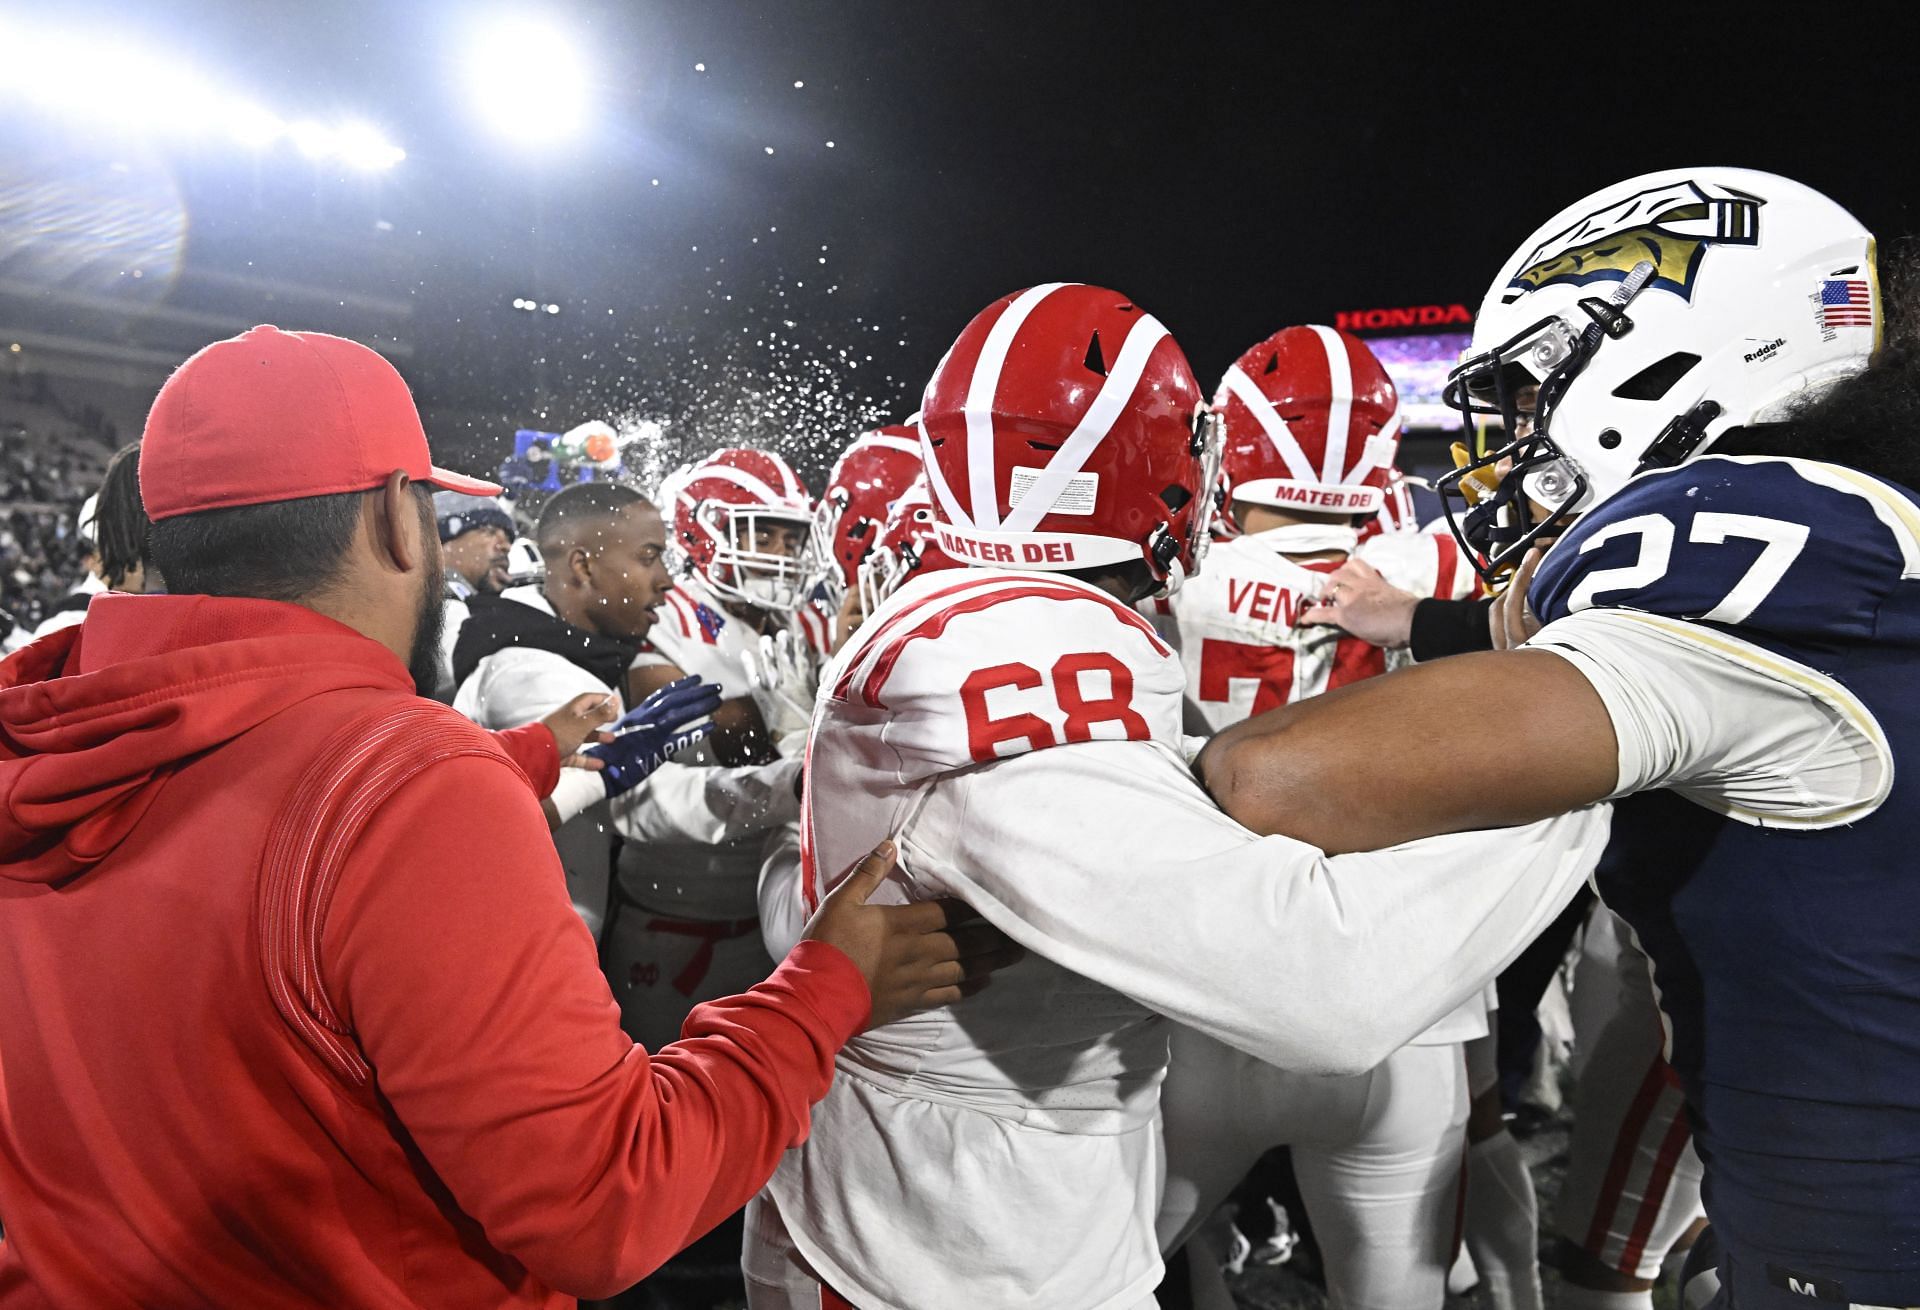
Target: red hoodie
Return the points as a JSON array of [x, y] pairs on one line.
[[294, 1010]]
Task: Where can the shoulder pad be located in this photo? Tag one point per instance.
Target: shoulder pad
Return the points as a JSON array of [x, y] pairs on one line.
[[1427, 564], [976, 667], [1787, 547]]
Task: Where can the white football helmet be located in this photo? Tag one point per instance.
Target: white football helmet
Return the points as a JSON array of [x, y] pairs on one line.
[[1653, 316]]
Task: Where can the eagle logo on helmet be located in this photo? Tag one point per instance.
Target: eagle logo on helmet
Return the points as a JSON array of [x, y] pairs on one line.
[[1672, 226]]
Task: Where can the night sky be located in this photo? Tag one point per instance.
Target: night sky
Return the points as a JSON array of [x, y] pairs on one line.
[[1233, 169]]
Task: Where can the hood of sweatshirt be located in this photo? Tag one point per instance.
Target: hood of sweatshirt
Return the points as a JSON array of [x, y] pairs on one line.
[[93, 718]]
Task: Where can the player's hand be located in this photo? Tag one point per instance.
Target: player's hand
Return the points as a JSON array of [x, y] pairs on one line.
[[914, 957], [783, 679], [578, 721], [654, 731], [1359, 601], [1511, 619], [847, 622]]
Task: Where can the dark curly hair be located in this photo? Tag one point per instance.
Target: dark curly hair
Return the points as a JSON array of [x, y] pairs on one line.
[[120, 519], [1870, 422]]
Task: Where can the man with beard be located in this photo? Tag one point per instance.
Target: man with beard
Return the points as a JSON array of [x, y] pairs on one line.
[[294, 1009]]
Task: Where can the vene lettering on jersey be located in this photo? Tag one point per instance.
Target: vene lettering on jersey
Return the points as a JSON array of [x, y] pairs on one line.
[[1265, 602]]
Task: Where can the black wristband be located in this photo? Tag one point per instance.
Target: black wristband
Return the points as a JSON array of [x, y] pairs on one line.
[[1450, 627]]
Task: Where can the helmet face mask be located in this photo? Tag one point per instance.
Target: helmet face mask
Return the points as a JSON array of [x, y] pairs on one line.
[[822, 569], [742, 570], [1650, 318], [1535, 487], [722, 513], [904, 545], [1209, 447]]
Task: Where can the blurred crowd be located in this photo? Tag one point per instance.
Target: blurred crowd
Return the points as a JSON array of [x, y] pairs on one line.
[[52, 456]]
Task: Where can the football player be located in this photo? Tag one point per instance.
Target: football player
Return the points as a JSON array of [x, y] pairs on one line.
[[865, 484], [865, 481], [1016, 724], [1311, 434], [1632, 1188], [1728, 642], [686, 927]]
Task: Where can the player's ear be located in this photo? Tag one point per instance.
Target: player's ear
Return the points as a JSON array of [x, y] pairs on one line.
[[580, 565]]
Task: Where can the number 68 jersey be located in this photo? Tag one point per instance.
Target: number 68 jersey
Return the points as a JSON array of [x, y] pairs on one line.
[[963, 668], [1043, 1088], [1019, 736]]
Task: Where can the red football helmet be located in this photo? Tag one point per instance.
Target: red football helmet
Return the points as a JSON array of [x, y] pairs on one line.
[[718, 512], [1064, 429], [867, 478], [905, 545], [1313, 423], [1396, 508]]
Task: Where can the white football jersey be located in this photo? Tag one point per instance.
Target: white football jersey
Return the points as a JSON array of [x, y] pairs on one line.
[[1235, 628], [697, 635], [1019, 736], [702, 880]]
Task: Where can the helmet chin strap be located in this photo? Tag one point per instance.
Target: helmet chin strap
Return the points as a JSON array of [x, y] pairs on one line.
[[1176, 574]]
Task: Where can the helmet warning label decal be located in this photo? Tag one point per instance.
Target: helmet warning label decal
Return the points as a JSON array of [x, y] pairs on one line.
[[1077, 497]]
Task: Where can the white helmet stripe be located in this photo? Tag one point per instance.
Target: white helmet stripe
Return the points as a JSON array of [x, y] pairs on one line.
[[1340, 413], [885, 442], [1272, 424], [769, 498], [979, 403], [1374, 454], [938, 480], [1093, 426]]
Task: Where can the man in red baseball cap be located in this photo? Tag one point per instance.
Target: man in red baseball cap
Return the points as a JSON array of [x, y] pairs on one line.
[[294, 1010]]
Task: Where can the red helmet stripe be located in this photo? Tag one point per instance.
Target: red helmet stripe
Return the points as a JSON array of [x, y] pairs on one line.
[[1242, 388], [979, 403], [1093, 427], [1340, 411]]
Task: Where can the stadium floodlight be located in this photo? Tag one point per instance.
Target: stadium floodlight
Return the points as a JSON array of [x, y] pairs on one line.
[[360, 145], [94, 79], [529, 81]]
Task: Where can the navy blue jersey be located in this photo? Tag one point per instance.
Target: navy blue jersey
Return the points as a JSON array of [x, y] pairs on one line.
[[1787, 959]]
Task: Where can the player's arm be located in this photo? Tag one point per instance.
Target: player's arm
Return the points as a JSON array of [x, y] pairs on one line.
[[709, 805], [1599, 703], [1106, 859], [739, 737], [1476, 741]]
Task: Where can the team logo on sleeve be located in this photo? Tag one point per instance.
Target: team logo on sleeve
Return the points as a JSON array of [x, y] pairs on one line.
[[1672, 226]]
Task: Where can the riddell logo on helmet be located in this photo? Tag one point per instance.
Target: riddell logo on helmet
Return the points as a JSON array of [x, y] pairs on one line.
[[1003, 552]]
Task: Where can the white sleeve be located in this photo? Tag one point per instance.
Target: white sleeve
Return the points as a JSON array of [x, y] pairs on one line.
[[783, 911], [576, 793], [1727, 724], [708, 805], [519, 686], [1107, 858]]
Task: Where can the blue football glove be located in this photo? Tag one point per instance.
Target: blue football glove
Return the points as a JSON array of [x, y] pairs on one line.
[[653, 731]]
